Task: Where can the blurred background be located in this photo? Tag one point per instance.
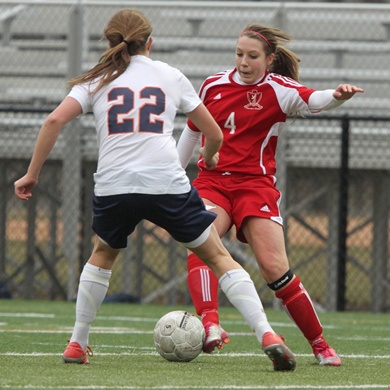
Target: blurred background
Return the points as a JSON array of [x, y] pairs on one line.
[[333, 168]]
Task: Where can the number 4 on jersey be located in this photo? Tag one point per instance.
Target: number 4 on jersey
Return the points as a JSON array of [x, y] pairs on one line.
[[230, 123]]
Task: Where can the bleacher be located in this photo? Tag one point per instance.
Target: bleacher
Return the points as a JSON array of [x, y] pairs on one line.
[[198, 39], [35, 50]]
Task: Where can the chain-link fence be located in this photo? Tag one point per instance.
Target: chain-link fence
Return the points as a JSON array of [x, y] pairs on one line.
[[333, 171]]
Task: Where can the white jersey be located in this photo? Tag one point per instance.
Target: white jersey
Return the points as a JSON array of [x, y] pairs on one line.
[[134, 117]]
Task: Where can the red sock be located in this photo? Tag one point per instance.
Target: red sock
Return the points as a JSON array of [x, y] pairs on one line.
[[299, 307], [203, 286]]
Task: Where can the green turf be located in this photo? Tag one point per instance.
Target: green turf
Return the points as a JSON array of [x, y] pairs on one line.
[[33, 335]]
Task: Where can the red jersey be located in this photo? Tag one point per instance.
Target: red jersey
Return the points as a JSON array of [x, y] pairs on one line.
[[251, 118]]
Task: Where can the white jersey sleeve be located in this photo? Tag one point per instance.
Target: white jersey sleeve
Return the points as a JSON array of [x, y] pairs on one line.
[[81, 93], [186, 145], [190, 99], [323, 100]]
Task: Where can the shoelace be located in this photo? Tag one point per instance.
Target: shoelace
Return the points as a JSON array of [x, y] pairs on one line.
[[88, 351]]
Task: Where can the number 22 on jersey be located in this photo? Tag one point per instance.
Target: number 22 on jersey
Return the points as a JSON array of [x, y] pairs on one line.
[[118, 120]]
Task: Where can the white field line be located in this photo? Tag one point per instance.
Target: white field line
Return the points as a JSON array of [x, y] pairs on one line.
[[229, 387], [97, 330], [288, 324], [154, 353], [124, 330], [27, 315]]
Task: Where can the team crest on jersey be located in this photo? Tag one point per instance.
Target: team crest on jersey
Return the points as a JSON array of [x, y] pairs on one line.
[[254, 98]]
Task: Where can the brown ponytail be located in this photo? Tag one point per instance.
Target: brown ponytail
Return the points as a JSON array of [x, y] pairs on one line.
[[127, 33]]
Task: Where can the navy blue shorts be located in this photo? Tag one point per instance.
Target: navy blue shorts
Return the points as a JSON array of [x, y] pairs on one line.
[[183, 216]]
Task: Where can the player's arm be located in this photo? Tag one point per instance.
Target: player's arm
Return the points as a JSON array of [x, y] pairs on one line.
[[186, 145], [47, 137], [331, 98], [213, 136]]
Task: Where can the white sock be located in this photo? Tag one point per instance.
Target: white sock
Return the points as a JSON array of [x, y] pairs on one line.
[[240, 290], [93, 286]]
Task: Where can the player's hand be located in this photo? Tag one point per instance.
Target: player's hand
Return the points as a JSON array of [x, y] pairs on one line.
[[23, 187], [212, 163], [346, 91]]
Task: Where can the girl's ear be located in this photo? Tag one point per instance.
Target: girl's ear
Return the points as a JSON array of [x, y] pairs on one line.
[[149, 43], [270, 59]]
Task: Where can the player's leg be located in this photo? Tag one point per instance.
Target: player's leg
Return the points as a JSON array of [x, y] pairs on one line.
[[93, 285], [267, 241], [94, 279], [204, 288], [237, 285], [193, 226]]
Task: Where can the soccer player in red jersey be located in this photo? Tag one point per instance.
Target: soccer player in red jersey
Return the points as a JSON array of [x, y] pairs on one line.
[[251, 104]]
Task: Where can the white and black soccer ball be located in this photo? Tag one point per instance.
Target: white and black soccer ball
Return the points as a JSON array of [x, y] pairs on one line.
[[179, 336]]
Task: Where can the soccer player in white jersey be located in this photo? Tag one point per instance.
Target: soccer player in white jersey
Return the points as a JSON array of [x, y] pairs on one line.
[[139, 176], [251, 104]]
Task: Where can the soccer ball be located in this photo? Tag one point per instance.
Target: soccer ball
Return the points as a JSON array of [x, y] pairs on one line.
[[179, 336]]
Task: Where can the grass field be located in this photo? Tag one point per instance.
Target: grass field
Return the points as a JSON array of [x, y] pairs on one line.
[[33, 335]]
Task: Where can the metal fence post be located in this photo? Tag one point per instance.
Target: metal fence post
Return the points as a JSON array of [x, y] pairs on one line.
[[72, 157], [343, 215]]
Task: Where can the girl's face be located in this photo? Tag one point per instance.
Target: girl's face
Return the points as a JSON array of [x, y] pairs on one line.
[[251, 60]]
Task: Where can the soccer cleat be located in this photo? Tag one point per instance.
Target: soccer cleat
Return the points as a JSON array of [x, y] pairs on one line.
[[215, 337], [325, 354], [75, 354], [274, 347]]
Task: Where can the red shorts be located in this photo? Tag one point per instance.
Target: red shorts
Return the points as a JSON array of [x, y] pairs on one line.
[[242, 197]]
